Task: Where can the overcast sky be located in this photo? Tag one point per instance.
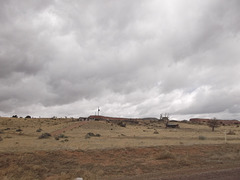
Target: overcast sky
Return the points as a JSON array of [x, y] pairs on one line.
[[137, 58]]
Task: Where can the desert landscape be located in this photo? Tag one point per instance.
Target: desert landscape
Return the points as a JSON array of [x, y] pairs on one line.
[[67, 148], [119, 90]]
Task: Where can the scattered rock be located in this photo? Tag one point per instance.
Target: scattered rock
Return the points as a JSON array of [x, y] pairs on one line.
[[44, 136], [78, 178], [156, 132]]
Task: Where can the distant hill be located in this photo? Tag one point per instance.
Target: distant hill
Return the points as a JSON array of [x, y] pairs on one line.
[[150, 118]]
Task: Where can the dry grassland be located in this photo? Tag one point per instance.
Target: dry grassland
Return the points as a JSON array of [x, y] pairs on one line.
[[117, 152], [112, 135]]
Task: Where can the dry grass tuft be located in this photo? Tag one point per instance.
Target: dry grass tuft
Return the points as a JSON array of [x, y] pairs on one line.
[[166, 155], [231, 132], [183, 162]]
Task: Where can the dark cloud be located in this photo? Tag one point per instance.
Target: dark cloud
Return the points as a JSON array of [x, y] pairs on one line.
[[138, 58]]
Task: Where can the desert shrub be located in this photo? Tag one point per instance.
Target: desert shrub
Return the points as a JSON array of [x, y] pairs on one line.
[[60, 136], [166, 155], [1, 131], [155, 132], [54, 118], [14, 116], [183, 162], [18, 130], [122, 124], [39, 130], [230, 132], [202, 137], [28, 116], [90, 134], [44, 136], [65, 140]]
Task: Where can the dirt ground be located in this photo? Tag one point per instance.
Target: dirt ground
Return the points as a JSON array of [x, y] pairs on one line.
[[143, 151]]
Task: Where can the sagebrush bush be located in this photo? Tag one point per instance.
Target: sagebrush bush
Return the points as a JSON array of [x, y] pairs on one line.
[[202, 138]]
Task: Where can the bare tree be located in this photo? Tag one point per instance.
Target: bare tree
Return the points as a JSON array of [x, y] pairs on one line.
[[164, 118], [213, 123]]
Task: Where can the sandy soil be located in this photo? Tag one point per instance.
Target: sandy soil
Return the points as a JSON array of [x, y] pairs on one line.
[[144, 151]]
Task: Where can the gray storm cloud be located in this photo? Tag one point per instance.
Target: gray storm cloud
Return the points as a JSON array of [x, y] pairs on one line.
[[132, 58]]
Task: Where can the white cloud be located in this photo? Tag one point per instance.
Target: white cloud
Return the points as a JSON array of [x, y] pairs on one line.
[[138, 58]]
